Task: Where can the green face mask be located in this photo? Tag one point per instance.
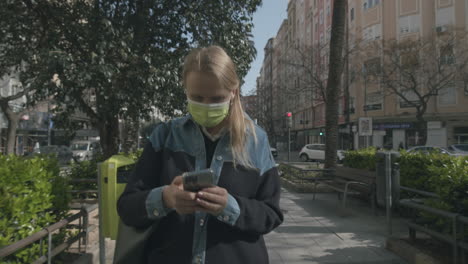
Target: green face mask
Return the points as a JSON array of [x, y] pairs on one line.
[[208, 115]]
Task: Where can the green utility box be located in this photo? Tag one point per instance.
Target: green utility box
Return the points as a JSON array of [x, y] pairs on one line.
[[114, 174]]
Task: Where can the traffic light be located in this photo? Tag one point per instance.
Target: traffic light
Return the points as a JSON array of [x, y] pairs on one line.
[[289, 119]]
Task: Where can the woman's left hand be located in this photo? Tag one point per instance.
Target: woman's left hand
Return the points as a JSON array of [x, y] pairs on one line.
[[213, 199]]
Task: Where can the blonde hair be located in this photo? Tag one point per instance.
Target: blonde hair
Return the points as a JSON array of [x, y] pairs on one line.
[[214, 60]]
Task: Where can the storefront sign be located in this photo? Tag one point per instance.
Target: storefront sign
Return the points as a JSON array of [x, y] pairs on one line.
[[385, 126]]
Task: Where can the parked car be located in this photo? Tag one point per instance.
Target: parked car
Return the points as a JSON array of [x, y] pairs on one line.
[[461, 149], [317, 152], [63, 153], [274, 152], [431, 149], [85, 149]]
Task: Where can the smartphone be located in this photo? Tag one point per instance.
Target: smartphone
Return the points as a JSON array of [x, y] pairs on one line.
[[196, 180]]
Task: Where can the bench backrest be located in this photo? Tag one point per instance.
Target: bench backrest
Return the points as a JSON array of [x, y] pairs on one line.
[[356, 174]]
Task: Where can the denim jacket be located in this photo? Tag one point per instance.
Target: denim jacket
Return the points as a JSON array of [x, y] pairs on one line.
[[235, 235]]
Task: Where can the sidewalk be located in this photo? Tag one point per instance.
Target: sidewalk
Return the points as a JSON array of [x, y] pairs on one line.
[[320, 232]]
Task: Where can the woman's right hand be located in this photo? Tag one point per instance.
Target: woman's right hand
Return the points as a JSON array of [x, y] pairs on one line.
[[174, 197]]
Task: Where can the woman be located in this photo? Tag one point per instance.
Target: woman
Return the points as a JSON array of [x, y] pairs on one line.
[[220, 224]]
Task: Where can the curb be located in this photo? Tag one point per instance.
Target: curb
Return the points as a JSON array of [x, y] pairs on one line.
[[300, 188], [408, 252]]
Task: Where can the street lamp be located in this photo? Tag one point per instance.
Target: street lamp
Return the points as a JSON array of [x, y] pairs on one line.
[[289, 124], [364, 72]]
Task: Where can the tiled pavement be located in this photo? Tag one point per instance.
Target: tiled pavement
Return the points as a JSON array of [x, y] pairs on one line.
[[319, 231]]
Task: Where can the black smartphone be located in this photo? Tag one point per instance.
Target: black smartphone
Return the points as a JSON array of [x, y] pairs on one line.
[[196, 180]]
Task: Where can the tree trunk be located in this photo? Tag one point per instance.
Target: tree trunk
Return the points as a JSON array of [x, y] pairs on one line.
[[109, 135], [421, 127], [129, 136], [334, 82], [13, 121]]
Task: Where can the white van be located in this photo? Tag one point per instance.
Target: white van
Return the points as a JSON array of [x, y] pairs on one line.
[[85, 149]]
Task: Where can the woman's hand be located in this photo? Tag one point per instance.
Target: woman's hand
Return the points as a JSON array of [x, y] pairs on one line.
[[176, 198], [212, 200]]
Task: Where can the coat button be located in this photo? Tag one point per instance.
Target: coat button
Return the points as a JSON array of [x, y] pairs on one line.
[[155, 212], [219, 158]]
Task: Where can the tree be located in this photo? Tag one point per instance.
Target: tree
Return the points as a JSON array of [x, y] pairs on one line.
[[24, 53], [334, 81], [419, 71], [121, 58]]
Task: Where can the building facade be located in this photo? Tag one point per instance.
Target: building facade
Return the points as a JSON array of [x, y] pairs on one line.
[[294, 74]]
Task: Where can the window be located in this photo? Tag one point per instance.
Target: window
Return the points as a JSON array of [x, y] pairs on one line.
[[461, 136], [321, 17], [328, 10], [372, 32], [448, 95], [374, 101], [409, 24], [352, 14], [370, 3], [444, 18], [372, 66], [446, 55]]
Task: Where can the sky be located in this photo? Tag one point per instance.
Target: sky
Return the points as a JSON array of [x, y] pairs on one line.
[[267, 21]]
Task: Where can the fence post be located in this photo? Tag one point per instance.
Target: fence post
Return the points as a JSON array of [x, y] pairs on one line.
[[49, 249], [388, 180], [102, 241]]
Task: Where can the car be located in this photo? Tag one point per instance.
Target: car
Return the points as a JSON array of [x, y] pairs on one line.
[[461, 149], [430, 149], [63, 153], [317, 152], [85, 149], [274, 152]]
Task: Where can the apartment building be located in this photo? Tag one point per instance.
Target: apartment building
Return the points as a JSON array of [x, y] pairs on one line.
[[371, 24], [394, 120]]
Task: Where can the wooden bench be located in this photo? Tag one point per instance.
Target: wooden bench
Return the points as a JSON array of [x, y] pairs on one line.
[[353, 181]]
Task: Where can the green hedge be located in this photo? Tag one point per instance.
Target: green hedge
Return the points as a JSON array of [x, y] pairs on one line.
[[442, 174], [361, 159], [88, 170], [32, 196]]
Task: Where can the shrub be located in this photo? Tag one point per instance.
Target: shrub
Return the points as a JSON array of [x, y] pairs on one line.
[[88, 170], [32, 196], [445, 175], [85, 170], [361, 159], [415, 169]]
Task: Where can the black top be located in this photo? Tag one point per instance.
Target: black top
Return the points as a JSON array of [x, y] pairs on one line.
[[210, 147], [257, 192]]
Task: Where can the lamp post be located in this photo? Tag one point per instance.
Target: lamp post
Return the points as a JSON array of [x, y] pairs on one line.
[[364, 72]]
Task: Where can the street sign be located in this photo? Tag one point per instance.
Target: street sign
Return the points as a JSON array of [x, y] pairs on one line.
[[365, 126]]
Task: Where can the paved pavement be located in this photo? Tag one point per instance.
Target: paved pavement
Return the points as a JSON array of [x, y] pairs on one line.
[[319, 231], [313, 231]]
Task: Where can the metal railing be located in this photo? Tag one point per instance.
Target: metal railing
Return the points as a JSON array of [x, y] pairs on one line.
[[47, 232], [87, 193], [458, 222]]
